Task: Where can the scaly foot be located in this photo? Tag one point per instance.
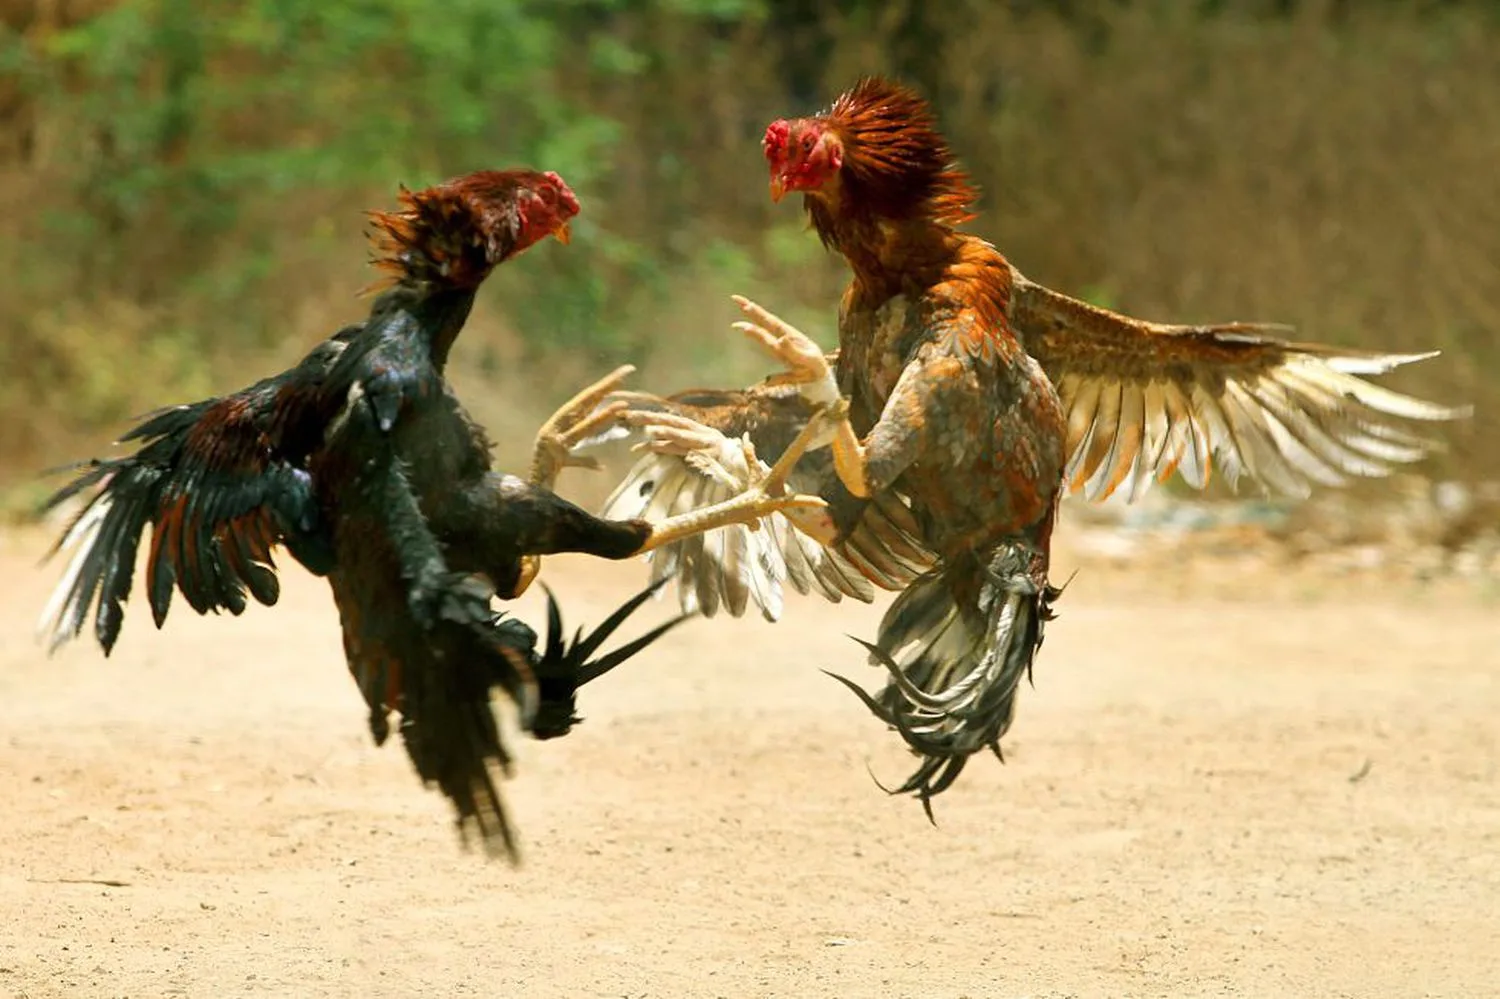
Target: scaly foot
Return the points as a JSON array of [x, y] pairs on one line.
[[578, 418], [807, 366], [805, 362], [734, 463]]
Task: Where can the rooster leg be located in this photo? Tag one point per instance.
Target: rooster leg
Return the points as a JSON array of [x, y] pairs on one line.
[[577, 419], [574, 421], [716, 456], [813, 434], [848, 452], [746, 508], [808, 366], [765, 495]]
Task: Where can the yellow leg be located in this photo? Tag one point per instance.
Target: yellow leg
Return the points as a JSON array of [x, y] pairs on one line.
[[571, 424], [575, 420], [762, 498], [849, 453], [745, 508], [808, 366]]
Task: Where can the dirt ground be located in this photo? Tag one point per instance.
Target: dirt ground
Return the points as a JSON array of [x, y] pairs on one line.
[[1235, 781]]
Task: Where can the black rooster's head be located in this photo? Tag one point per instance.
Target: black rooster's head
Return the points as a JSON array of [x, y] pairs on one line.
[[455, 233]]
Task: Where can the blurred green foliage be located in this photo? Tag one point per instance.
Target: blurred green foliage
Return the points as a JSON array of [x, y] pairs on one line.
[[182, 183], [192, 118]]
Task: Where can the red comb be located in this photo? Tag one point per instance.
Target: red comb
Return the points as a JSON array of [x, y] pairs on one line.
[[775, 142], [565, 196]]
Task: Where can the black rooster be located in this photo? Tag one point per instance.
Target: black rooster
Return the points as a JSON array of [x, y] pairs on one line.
[[363, 464]]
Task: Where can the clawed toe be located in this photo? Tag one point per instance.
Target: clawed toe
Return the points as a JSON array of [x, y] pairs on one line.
[[577, 408], [576, 420]]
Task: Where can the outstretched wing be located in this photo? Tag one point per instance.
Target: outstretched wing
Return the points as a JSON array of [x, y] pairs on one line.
[[220, 484], [1146, 399], [734, 566]]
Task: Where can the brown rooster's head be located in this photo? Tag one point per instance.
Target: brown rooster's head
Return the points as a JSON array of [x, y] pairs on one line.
[[876, 152], [455, 233], [804, 155]]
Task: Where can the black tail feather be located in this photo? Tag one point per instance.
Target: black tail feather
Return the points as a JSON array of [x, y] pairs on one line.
[[564, 668], [954, 668], [106, 534], [452, 735], [458, 749]]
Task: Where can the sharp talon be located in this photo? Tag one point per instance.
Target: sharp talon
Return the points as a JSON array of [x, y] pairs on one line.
[[805, 504], [586, 399], [572, 422], [531, 566]]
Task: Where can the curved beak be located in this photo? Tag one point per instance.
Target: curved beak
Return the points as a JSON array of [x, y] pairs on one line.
[[561, 233], [778, 189]]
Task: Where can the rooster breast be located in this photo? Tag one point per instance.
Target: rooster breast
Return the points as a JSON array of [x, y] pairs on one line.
[[955, 407]]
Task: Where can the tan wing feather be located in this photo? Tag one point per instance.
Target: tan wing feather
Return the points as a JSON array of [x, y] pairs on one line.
[[735, 567], [1145, 400]]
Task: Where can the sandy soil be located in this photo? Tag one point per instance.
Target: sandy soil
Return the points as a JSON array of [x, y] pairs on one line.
[[1236, 789]]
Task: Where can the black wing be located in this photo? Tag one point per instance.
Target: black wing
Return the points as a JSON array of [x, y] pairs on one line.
[[221, 482]]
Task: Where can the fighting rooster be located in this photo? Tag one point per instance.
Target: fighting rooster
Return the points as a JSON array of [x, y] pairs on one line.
[[363, 464], [976, 398]]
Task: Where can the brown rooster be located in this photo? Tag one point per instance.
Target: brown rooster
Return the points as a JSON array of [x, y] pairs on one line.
[[977, 397], [363, 463]]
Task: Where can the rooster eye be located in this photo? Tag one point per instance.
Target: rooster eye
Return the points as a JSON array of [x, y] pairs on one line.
[[807, 143]]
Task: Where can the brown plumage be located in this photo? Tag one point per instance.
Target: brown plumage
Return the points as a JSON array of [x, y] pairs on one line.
[[952, 412], [455, 234], [976, 396], [1146, 400], [890, 163]]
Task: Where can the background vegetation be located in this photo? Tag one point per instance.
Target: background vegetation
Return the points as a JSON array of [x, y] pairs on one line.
[[182, 190]]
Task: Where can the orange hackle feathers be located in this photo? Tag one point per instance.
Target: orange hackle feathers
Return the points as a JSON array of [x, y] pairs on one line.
[[896, 163], [455, 233]]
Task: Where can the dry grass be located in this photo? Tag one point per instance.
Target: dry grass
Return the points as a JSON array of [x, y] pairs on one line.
[[1334, 172]]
